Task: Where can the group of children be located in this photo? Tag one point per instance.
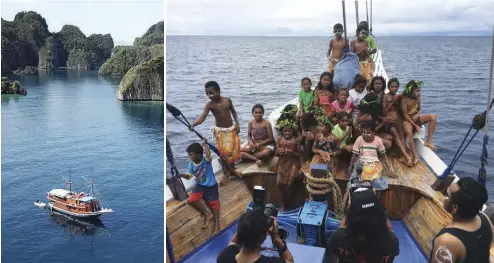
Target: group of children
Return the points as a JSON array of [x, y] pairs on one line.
[[361, 122]]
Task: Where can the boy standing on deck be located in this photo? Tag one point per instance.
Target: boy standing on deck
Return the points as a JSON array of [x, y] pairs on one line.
[[360, 47], [225, 132], [336, 46], [201, 169]]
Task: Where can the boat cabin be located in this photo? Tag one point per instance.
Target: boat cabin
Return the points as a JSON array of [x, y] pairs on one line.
[[78, 203]]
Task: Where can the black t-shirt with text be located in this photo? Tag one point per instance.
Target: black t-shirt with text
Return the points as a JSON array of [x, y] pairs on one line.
[[228, 254], [339, 245]]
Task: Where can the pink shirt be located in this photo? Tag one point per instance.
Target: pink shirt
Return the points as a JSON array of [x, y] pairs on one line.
[[368, 151], [336, 106]]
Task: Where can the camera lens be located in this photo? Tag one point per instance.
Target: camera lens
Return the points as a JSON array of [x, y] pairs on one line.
[[270, 210]]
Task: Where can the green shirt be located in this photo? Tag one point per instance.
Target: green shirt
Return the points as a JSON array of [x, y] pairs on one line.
[[340, 134], [306, 98], [371, 42]]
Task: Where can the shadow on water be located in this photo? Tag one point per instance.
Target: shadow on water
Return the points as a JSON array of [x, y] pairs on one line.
[[7, 98], [83, 227], [112, 80], [145, 113]]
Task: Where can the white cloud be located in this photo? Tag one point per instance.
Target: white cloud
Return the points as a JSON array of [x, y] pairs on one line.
[[317, 17]]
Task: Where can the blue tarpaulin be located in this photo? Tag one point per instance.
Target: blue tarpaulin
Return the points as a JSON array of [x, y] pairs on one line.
[[346, 70], [410, 252]]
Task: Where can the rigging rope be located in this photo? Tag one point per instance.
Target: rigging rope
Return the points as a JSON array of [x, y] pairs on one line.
[[326, 185], [483, 156]]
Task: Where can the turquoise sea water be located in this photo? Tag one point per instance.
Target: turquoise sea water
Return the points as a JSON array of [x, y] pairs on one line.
[[72, 120]]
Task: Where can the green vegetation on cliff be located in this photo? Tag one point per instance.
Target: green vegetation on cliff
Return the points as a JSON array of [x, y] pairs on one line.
[[12, 87], [144, 81], [26, 41]]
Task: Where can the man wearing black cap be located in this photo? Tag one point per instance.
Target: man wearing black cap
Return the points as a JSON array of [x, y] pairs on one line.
[[364, 234]]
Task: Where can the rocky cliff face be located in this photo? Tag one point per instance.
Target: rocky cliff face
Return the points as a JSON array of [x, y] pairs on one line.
[[12, 87], [144, 81], [26, 41]]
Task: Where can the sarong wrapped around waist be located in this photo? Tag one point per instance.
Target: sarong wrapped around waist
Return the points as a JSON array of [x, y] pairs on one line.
[[332, 63], [228, 143], [365, 69]]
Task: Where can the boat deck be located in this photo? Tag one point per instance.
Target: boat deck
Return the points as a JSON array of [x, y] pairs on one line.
[[409, 199]]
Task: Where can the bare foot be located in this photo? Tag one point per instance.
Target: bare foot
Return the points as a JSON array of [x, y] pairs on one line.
[[238, 174], [259, 163], [206, 221], [415, 160], [216, 231], [430, 146], [408, 161]]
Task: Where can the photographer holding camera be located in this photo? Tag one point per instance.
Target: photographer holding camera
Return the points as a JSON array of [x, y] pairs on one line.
[[365, 233], [245, 246]]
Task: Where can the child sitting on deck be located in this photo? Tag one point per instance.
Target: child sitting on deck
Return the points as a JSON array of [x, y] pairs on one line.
[[377, 86], [325, 94], [393, 120], [325, 144], [366, 150], [201, 169], [260, 138], [342, 104], [356, 95], [410, 106], [225, 131], [343, 132], [288, 165], [305, 99]]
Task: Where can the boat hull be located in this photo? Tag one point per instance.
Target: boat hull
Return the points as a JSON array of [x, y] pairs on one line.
[[77, 215]]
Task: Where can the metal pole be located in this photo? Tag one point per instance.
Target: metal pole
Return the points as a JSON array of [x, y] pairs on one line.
[[367, 10], [344, 20], [356, 10], [370, 16], [490, 86]]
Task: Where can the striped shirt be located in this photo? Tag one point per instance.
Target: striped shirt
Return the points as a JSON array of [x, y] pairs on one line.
[[368, 151]]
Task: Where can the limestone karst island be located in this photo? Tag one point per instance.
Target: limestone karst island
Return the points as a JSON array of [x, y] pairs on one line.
[[28, 47]]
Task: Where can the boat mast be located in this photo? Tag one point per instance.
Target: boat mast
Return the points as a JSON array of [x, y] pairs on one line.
[[344, 21], [367, 10], [356, 11], [483, 158], [370, 24]]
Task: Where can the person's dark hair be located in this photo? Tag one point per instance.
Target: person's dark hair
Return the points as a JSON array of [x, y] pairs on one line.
[[195, 148], [359, 79], [252, 229], [304, 79], [469, 198], [308, 120], [258, 106], [320, 86], [381, 78], [345, 90], [364, 226], [338, 26], [370, 105], [364, 24], [390, 81], [343, 114], [212, 84], [360, 28], [367, 125]]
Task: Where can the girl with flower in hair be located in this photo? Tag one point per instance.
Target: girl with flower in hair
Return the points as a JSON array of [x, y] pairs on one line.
[[410, 106], [288, 165], [325, 144]]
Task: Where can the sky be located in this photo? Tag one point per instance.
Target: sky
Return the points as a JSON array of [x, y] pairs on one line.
[[317, 17], [124, 20]]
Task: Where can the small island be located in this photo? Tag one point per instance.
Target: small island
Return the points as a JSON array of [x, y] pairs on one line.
[[141, 65], [28, 46], [12, 87]]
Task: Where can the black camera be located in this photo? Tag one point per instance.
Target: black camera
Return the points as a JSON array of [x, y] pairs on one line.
[[259, 200]]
